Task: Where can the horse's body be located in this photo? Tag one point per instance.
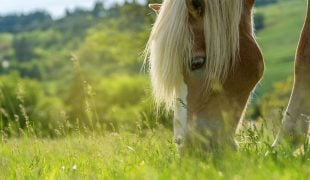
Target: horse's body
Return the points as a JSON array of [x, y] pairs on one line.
[[205, 62]]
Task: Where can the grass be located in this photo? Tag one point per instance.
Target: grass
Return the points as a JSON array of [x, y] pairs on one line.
[[151, 155]]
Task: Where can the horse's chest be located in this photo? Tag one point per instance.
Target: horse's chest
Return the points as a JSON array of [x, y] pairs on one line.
[[248, 71]]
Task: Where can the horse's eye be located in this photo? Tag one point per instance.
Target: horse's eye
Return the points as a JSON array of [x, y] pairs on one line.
[[197, 63]]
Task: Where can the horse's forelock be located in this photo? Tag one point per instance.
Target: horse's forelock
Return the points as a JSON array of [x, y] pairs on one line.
[[169, 49], [170, 45], [221, 26]]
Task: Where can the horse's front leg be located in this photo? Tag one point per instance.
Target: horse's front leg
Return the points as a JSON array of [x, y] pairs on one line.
[[180, 118], [296, 118]]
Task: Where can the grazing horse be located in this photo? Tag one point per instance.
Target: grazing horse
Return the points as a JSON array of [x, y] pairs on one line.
[[205, 62], [296, 119]]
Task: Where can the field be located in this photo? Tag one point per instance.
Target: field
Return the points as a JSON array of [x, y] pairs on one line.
[[107, 89], [148, 156]]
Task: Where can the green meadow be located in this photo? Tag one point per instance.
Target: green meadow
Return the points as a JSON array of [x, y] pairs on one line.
[[74, 103], [150, 155]]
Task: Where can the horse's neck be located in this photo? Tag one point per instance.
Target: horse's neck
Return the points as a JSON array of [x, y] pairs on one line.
[[306, 28], [303, 50], [307, 21], [246, 26], [308, 11]]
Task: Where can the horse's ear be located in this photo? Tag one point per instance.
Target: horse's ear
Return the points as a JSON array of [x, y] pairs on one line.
[[155, 7], [196, 8]]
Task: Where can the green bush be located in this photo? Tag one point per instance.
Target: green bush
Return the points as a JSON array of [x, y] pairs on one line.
[[24, 106], [268, 110], [126, 102]]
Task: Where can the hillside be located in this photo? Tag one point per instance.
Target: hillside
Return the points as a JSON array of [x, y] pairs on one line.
[[279, 39]]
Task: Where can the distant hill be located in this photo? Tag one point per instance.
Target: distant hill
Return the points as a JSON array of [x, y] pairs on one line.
[[279, 38]]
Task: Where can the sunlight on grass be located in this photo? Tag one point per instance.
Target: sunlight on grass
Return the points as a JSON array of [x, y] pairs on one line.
[[148, 156]]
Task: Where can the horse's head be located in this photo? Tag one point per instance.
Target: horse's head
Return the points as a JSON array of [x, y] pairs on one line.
[[204, 63]]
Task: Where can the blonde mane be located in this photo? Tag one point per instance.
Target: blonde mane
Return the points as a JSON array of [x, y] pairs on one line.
[[170, 45]]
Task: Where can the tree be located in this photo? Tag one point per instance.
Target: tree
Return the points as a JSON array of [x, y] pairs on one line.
[[15, 23], [98, 10], [24, 51]]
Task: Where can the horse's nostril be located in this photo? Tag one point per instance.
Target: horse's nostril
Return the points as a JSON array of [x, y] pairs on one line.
[[197, 62]]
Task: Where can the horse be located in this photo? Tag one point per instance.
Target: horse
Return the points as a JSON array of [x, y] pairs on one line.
[[205, 62], [295, 124]]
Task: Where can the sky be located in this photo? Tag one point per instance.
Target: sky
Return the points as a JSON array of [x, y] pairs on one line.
[[55, 7]]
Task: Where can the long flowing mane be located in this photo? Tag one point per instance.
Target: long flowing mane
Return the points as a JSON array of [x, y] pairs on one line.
[[170, 45]]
